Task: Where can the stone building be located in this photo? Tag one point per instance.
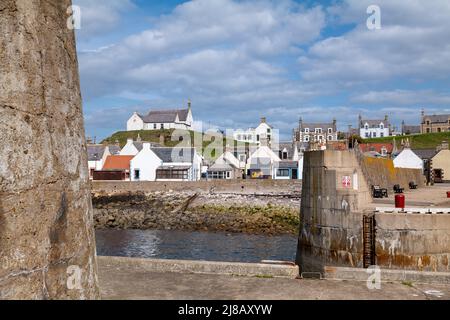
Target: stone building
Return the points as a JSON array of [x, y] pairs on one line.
[[315, 132], [435, 123]]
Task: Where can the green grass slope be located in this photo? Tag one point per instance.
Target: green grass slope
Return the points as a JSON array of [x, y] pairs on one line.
[[171, 140], [420, 141]]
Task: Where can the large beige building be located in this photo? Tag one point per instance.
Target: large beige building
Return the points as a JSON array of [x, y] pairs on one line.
[[435, 123], [441, 166]]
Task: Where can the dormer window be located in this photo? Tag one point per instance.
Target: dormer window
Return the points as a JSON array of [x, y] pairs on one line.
[[318, 130], [366, 126], [330, 130], [306, 130], [381, 126], [428, 122]]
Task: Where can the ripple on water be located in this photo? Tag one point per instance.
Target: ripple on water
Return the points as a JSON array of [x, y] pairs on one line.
[[194, 245]]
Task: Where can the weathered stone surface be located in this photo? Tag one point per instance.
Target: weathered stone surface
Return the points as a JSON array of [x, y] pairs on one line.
[[46, 224]]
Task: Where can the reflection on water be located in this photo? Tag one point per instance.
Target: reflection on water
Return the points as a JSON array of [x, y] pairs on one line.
[[187, 245]]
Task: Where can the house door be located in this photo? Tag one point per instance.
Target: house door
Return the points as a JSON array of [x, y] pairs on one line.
[[294, 174]]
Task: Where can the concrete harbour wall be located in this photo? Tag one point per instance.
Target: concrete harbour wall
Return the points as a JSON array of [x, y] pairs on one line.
[[336, 197]]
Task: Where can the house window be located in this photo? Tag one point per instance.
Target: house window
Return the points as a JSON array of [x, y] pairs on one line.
[[242, 157], [366, 127], [382, 134], [428, 130], [438, 129], [137, 174], [257, 137], [320, 138], [172, 174], [367, 134], [330, 130], [330, 138], [283, 173], [219, 175], [381, 126], [155, 126], [162, 125], [428, 122], [238, 137], [306, 130], [285, 155], [306, 138], [374, 134], [268, 130], [318, 130]]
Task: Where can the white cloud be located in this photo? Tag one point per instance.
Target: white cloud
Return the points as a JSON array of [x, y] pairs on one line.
[[98, 17], [414, 42], [403, 97]]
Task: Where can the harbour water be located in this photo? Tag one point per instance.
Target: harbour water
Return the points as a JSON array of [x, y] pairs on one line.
[[189, 245]]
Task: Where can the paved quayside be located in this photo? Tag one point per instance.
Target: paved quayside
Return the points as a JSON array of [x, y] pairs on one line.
[[118, 280]]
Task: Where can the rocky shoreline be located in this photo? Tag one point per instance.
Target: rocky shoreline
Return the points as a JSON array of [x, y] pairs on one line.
[[250, 213]]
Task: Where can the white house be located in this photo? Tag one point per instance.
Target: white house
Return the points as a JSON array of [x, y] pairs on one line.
[[262, 164], [291, 164], [255, 135], [162, 119], [227, 166], [374, 128], [408, 159], [166, 164]]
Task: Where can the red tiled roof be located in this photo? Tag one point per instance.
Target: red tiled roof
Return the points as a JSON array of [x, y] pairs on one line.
[[367, 147], [117, 163]]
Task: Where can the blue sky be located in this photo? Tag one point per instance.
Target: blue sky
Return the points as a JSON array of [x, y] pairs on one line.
[[239, 60]]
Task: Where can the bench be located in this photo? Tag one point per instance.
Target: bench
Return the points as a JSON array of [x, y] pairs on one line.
[[378, 192], [398, 189], [412, 185]]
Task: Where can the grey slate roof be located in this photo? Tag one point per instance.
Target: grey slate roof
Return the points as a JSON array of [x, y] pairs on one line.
[[288, 164], [95, 152], [313, 126], [221, 167], [374, 123], [140, 145], [114, 150], [425, 153], [175, 154], [165, 116], [437, 118], [410, 129]]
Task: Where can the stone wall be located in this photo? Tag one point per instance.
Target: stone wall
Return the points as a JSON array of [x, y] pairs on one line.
[[215, 186], [47, 245], [413, 241], [331, 220], [383, 173]]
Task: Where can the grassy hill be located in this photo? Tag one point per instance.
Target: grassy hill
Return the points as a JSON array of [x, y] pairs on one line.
[[169, 141], [420, 141]]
